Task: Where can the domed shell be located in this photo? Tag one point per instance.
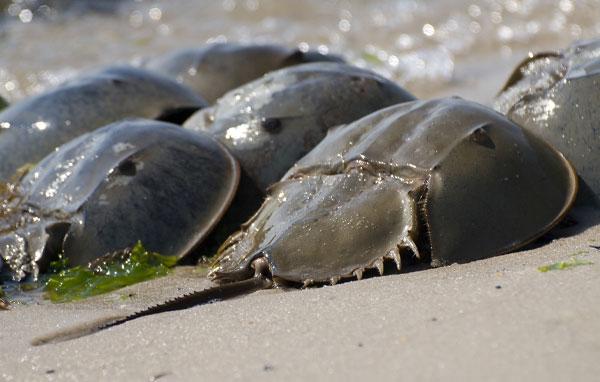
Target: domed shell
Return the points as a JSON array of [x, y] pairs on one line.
[[555, 96], [214, 69], [102, 192], [272, 122]]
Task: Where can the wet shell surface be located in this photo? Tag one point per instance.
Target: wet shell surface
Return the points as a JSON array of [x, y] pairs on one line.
[[272, 122], [102, 192], [215, 69], [442, 181], [556, 96], [34, 127]]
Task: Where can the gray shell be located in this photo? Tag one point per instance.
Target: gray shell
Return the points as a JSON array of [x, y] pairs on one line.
[[272, 122], [556, 96], [132, 180], [34, 127], [446, 180], [215, 69]]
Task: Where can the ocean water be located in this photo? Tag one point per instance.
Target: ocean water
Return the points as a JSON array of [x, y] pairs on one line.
[[433, 48]]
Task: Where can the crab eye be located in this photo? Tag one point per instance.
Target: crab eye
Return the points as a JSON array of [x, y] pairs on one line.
[[481, 137], [127, 168], [271, 125]]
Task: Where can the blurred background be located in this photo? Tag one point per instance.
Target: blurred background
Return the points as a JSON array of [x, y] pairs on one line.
[[434, 48]]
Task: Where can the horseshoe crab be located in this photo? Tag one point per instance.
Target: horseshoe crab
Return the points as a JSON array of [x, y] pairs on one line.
[[425, 177], [215, 69], [103, 191], [32, 128], [555, 95], [272, 122], [441, 181]]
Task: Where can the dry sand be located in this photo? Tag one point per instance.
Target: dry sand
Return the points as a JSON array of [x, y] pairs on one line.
[[496, 319]]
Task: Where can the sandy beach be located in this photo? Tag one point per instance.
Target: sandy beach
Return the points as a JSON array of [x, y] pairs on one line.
[[497, 319]]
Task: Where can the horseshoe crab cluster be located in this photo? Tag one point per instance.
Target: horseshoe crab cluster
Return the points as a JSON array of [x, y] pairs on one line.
[[104, 190], [354, 171]]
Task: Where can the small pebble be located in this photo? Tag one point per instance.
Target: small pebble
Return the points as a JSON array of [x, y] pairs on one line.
[[160, 375], [268, 367]]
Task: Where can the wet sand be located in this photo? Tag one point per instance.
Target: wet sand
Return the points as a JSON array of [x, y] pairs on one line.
[[496, 319]]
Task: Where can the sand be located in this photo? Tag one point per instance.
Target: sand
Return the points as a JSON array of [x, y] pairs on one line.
[[496, 319]]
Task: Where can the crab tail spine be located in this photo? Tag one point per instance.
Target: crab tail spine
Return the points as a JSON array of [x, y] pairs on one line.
[[206, 296]]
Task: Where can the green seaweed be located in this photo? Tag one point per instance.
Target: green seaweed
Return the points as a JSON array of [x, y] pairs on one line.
[[108, 274], [2, 293], [562, 265], [60, 264]]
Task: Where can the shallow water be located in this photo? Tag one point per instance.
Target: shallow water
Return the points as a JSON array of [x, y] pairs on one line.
[[434, 48]]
